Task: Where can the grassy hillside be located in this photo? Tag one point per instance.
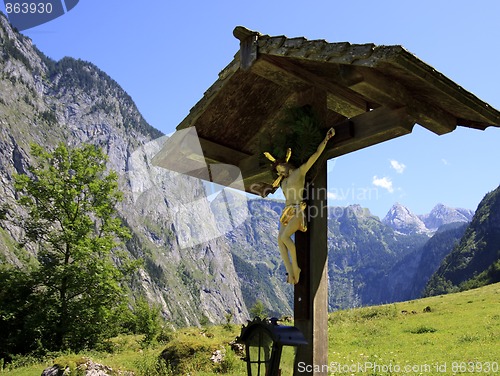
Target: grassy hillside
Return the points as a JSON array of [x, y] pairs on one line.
[[461, 330], [458, 334], [474, 262]]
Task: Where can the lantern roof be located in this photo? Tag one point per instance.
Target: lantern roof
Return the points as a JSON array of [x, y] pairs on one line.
[[279, 334]]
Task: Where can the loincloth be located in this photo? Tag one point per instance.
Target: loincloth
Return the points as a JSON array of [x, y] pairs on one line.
[[295, 210]]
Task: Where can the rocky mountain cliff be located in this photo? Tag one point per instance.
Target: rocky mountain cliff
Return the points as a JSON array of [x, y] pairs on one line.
[[475, 261], [257, 260], [442, 215], [369, 262], [362, 252], [402, 220], [407, 249], [407, 279], [72, 101]]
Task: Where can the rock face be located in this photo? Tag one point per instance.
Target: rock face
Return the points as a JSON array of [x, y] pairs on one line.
[[73, 102], [406, 280], [442, 215], [362, 252], [257, 259], [402, 220]]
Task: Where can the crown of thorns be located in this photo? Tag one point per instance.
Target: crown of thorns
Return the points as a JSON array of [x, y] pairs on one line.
[[274, 160]]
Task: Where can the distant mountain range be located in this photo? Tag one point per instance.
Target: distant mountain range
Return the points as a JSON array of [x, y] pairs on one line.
[[442, 215], [402, 220], [370, 261]]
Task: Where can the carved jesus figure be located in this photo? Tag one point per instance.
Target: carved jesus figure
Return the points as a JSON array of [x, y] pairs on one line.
[[292, 182]]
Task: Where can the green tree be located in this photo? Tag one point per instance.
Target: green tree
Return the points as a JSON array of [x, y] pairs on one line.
[[70, 204], [258, 310], [148, 320]]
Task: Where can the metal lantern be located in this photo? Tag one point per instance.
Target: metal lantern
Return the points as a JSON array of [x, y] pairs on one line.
[[264, 340]]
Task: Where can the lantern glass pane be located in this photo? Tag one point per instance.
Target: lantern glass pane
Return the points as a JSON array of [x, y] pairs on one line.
[[259, 351]]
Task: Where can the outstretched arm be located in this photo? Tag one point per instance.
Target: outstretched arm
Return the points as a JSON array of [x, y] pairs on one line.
[[313, 158]]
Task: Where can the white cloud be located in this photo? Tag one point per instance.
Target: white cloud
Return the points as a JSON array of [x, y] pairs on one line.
[[333, 196], [445, 162], [398, 166], [384, 182]]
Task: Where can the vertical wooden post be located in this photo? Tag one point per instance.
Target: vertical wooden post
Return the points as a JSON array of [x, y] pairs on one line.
[[311, 293]]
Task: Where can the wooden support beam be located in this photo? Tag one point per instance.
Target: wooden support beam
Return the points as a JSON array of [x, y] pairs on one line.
[[278, 75], [285, 73], [393, 94], [371, 128], [216, 153]]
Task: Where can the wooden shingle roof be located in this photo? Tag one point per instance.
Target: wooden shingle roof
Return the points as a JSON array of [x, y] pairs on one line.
[[382, 90]]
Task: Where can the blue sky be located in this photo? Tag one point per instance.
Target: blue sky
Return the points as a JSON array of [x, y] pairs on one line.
[[165, 54]]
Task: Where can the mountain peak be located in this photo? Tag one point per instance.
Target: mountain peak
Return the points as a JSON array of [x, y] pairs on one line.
[[442, 215], [402, 220]]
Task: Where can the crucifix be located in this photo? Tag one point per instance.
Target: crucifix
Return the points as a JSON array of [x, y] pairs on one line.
[[367, 93], [292, 181]]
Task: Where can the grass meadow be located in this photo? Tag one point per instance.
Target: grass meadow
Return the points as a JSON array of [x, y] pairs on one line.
[[443, 335]]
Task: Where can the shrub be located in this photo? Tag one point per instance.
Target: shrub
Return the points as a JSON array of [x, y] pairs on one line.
[[422, 329], [151, 364]]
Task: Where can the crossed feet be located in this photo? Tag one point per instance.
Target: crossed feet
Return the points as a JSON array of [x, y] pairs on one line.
[[293, 279]]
